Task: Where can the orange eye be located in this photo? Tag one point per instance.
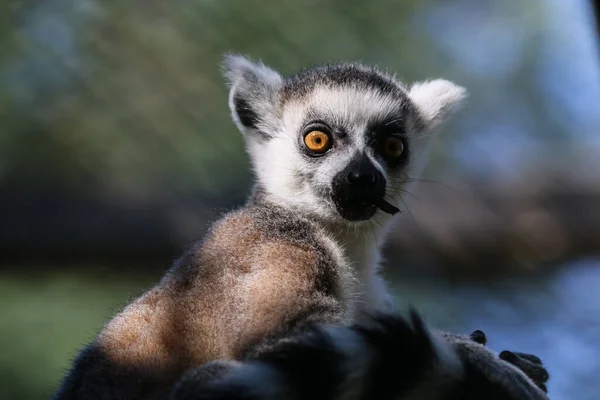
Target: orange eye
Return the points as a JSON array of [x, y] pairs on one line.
[[393, 147], [317, 141]]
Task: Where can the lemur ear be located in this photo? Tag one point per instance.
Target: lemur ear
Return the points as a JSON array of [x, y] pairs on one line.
[[436, 101], [254, 88]]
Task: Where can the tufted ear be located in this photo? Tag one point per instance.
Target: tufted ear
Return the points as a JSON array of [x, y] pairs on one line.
[[254, 88], [436, 101]]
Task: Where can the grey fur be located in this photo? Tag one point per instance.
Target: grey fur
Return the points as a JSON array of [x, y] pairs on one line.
[[254, 92], [385, 358], [231, 296], [289, 258], [358, 105], [514, 380]]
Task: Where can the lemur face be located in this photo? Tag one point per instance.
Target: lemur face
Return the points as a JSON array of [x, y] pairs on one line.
[[350, 146], [338, 142]]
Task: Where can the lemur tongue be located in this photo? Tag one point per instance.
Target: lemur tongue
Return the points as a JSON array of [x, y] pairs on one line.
[[387, 207]]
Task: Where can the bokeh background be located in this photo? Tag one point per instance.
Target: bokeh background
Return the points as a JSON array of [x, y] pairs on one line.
[[117, 150]]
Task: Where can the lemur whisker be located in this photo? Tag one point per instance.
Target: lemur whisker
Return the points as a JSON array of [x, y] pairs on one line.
[[397, 190], [416, 180], [393, 121]]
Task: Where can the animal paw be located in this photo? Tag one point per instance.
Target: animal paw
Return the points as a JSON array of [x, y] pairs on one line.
[[530, 364]]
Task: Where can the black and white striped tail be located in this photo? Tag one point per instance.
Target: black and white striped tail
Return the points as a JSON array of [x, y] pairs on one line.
[[382, 359], [387, 357]]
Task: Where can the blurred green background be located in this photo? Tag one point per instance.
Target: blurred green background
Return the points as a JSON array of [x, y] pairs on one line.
[[117, 150]]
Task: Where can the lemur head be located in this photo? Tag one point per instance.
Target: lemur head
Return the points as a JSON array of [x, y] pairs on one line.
[[338, 142]]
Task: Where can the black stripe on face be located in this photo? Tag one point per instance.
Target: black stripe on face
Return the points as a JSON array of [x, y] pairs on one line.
[[378, 131]]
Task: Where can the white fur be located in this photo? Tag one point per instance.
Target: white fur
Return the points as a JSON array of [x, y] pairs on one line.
[[236, 66], [260, 85], [281, 168], [436, 99], [361, 248], [279, 164]]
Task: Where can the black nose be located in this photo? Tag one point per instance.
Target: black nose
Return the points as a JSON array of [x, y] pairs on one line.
[[358, 188], [361, 177], [362, 173]]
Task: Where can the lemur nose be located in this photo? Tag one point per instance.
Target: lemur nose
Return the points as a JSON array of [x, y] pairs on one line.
[[362, 177]]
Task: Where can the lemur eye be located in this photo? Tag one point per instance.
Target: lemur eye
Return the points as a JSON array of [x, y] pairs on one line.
[[393, 147], [317, 141]]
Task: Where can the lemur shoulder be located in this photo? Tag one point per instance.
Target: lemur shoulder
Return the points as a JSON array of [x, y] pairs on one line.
[[332, 147]]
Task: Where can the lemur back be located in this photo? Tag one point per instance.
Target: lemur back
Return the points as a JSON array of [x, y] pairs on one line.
[[333, 147], [259, 272]]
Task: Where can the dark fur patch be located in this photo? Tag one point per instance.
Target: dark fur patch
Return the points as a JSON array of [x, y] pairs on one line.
[[315, 355], [530, 364], [403, 354], [95, 376], [340, 74], [223, 390], [311, 366], [193, 381], [248, 117], [305, 367], [475, 386], [380, 130]]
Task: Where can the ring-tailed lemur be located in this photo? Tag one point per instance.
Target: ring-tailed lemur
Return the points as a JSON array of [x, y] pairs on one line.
[[385, 358], [333, 148]]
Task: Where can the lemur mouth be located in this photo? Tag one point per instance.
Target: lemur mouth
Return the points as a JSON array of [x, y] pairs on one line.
[[365, 209], [386, 207]]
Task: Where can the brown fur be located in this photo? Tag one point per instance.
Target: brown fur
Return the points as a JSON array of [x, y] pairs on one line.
[[260, 273], [266, 271]]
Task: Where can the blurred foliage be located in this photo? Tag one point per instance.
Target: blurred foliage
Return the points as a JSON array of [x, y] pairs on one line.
[[122, 102], [51, 317], [125, 98]]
